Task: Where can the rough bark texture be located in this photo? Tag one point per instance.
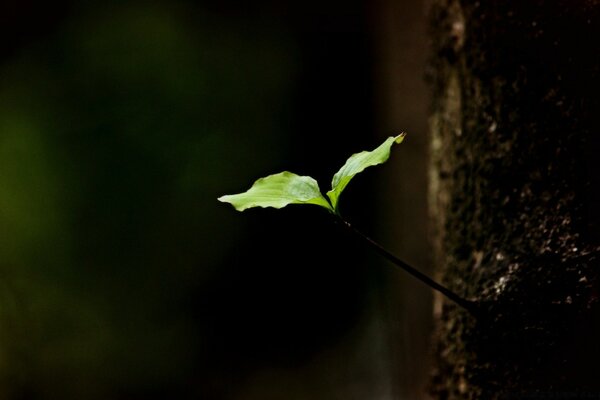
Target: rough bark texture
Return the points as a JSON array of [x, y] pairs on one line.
[[514, 195]]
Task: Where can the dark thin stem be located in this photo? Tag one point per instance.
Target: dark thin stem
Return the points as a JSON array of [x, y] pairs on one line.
[[464, 303]]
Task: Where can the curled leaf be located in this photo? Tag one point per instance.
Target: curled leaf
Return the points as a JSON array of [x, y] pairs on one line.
[[357, 163]]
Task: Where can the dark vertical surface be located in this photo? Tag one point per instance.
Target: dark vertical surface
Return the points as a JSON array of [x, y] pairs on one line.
[[514, 190], [402, 216]]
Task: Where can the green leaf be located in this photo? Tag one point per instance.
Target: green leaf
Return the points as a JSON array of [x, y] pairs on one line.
[[278, 191], [356, 164]]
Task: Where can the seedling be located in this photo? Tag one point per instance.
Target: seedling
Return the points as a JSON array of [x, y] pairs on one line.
[[285, 188]]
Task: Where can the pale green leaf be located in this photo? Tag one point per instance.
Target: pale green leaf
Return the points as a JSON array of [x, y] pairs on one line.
[[278, 191], [357, 163]]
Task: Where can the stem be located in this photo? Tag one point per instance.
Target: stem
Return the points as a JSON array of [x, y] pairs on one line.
[[468, 305]]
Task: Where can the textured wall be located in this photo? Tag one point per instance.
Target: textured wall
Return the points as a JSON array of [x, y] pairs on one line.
[[513, 194]]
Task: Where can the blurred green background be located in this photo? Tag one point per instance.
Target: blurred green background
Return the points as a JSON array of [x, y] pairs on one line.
[[121, 276]]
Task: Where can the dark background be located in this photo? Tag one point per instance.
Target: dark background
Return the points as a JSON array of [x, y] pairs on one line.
[[122, 277]]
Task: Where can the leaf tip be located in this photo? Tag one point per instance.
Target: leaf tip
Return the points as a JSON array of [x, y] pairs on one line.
[[229, 198], [400, 138]]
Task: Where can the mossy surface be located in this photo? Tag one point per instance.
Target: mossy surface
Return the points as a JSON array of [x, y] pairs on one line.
[[514, 195]]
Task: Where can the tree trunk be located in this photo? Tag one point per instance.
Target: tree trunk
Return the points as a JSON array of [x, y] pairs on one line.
[[514, 197]]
